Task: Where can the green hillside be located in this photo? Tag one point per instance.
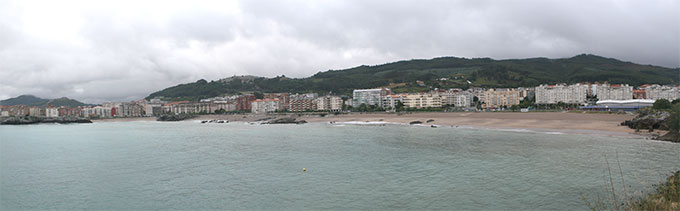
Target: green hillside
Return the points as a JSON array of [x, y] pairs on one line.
[[444, 72], [31, 100]]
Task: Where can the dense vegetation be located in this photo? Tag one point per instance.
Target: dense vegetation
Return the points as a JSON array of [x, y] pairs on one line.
[[31, 100], [445, 72]]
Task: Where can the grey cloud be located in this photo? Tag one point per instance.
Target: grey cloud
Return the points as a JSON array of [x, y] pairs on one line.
[[118, 56]]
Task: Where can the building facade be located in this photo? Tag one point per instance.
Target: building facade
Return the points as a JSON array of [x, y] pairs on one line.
[[302, 102], [369, 96], [422, 100], [612, 91], [498, 98], [457, 98], [329, 103], [265, 106], [553, 94], [656, 92]]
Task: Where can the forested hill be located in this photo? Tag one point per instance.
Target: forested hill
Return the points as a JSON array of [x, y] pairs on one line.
[[444, 72], [31, 100]]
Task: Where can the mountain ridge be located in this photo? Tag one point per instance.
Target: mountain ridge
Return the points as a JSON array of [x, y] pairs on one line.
[[439, 72], [31, 100]]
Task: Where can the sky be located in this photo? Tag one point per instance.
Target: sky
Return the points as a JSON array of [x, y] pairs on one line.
[[100, 51]]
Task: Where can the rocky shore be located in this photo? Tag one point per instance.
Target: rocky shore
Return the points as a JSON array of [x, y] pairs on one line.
[[285, 120], [651, 120], [36, 120], [174, 118]]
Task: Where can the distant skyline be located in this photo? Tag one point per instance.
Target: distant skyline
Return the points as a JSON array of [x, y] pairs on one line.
[[98, 51]]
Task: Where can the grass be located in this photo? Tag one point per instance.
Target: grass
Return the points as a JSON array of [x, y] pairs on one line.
[[665, 197]]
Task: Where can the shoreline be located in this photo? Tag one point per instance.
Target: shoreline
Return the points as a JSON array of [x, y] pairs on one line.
[[541, 122], [555, 121], [567, 122]]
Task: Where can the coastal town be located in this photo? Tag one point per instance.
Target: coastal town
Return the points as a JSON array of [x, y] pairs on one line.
[[579, 96]]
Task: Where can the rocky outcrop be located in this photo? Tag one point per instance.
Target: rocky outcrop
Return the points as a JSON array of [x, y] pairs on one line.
[[415, 122], [285, 120], [35, 120], [648, 120], [670, 136], [174, 117], [218, 121]]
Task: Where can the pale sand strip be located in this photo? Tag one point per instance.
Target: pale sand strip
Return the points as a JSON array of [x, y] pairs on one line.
[[537, 120], [533, 120]]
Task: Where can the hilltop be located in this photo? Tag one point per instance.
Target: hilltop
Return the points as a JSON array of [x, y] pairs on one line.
[[443, 72], [31, 100]]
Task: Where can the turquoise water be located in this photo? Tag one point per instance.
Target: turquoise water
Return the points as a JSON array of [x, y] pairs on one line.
[[187, 165]]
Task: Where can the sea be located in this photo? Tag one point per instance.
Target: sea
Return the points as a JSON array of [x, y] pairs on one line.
[[319, 166]]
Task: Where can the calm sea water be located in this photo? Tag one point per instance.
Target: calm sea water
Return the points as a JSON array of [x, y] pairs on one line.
[[188, 165]]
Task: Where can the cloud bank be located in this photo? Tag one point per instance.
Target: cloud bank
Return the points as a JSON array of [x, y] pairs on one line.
[[97, 51]]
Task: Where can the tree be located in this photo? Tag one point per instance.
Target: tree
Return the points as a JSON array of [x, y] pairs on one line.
[[676, 101], [399, 106], [258, 95], [662, 104], [527, 102], [363, 107], [514, 107], [674, 119]]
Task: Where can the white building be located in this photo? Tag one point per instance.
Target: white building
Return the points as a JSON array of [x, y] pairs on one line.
[[656, 92], [328, 103], [264, 106], [457, 98], [553, 94], [612, 92], [391, 101], [52, 112], [422, 100], [369, 96]]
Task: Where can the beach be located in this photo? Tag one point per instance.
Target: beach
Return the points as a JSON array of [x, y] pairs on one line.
[[532, 120], [563, 121]]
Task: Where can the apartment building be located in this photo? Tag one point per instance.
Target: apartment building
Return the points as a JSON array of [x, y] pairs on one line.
[[369, 96], [302, 102], [457, 98], [422, 100], [612, 91], [328, 103], [497, 98], [656, 92], [553, 94], [391, 101], [265, 106]]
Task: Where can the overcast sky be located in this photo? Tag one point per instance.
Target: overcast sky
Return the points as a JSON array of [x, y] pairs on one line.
[[97, 51]]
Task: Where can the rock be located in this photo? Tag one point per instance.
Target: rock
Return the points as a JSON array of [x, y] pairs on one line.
[[670, 136], [174, 117], [430, 120], [286, 120], [264, 119], [415, 122], [35, 120], [648, 120]]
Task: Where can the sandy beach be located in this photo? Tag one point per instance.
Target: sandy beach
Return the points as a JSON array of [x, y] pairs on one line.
[[558, 121], [533, 120]]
